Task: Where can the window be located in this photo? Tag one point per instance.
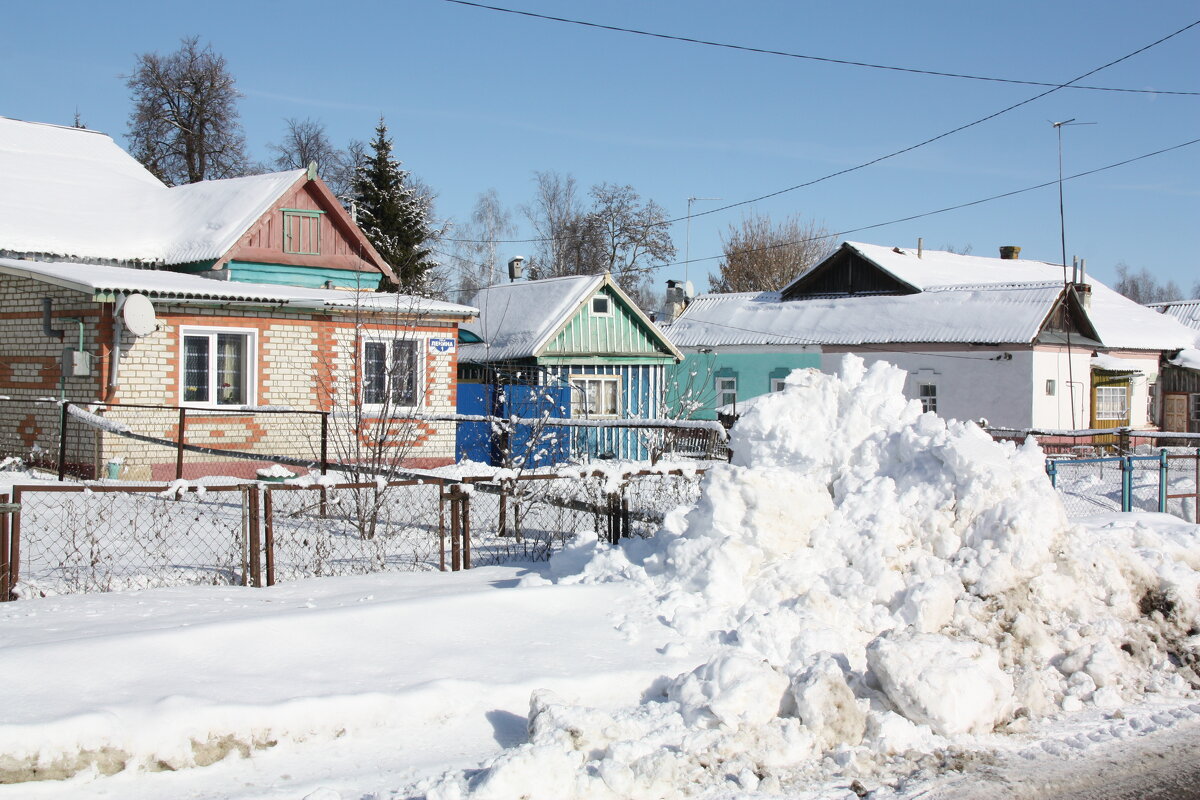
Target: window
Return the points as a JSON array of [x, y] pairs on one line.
[[927, 392], [596, 396], [601, 306], [391, 372], [1196, 406], [217, 367], [1112, 402], [302, 232], [1050, 387], [726, 391], [778, 384]]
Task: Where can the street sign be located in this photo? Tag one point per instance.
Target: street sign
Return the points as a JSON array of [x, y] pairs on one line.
[[443, 346]]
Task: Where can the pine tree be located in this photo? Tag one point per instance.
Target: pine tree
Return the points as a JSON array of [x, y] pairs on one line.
[[394, 216]]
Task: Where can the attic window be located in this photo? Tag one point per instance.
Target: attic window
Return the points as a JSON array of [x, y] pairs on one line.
[[302, 231], [601, 307]]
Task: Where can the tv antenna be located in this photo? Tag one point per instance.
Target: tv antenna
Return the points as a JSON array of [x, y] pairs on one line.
[[1062, 219]]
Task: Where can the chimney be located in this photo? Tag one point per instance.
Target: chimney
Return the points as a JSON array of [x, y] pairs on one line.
[[920, 246], [674, 300], [1010, 252]]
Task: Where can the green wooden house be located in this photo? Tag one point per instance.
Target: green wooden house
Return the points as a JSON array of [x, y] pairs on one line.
[[578, 333]]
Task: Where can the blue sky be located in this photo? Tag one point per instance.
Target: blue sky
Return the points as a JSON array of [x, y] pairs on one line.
[[477, 99]]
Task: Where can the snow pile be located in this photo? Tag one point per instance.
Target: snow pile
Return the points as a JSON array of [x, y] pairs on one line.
[[869, 580]]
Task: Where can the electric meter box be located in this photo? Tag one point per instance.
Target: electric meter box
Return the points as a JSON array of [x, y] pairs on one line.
[[76, 363]]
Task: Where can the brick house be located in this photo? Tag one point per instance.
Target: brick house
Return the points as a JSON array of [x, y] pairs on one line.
[[224, 298]]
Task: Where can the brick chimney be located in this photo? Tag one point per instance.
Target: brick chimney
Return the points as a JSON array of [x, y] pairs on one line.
[[1010, 252]]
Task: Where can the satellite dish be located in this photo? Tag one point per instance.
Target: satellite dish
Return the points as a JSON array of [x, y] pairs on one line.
[[138, 314]]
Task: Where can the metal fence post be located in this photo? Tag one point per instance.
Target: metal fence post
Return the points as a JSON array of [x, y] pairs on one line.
[[179, 450], [254, 537], [1052, 471], [62, 441], [13, 572], [1162, 480], [455, 531], [5, 588], [1126, 483], [269, 534], [324, 442], [465, 529]]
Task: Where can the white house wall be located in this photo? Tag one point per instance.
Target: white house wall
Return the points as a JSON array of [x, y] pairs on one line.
[[1071, 374], [972, 383]]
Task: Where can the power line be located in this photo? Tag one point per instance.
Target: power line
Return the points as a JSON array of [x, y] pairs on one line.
[[890, 155], [924, 214], [785, 54]]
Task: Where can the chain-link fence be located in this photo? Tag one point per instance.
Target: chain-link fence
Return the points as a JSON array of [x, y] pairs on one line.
[[94, 539], [1165, 482], [70, 538]]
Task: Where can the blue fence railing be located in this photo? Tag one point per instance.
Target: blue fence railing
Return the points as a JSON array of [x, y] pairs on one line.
[[1165, 482]]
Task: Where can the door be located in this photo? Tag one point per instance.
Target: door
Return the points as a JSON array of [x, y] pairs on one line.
[[1175, 405]]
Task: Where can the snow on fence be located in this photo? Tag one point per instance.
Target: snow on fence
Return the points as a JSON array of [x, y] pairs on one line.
[[1168, 482], [60, 539], [162, 443]]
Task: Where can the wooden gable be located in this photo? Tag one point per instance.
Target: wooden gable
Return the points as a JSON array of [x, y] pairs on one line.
[[307, 228], [845, 272], [621, 332], [1069, 318]]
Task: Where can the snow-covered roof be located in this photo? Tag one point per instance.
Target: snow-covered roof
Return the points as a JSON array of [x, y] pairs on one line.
[[992, 314], [1186, 311], [74, 193], [163, 285], [1188, 358], [516, 320], [959, 299], [1109, 363]]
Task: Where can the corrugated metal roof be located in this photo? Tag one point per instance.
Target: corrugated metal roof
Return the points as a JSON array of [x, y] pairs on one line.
[[516, 319], [1187, 312], [1119, 322], [991, 314], [98, 279]]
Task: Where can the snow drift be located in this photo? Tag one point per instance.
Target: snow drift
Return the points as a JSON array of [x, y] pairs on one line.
[[864, 580]]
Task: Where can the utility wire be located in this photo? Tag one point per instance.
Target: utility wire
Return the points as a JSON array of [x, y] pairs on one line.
[[785, 54], [892, 154], [911, 217]]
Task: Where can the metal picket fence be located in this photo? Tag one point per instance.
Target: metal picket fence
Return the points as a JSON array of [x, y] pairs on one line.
[[1167, 482], [73, 538]]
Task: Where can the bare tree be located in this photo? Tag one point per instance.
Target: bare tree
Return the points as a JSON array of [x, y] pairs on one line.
[[555, 215], [184, 125], [305, 142], [1143, 287], [476, 254], [761, 256], [632, 238]]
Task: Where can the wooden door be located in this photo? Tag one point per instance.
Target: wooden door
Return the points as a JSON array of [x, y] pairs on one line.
[[1175, 406]]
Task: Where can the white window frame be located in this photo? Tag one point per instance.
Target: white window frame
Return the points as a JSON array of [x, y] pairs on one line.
[[251, 367], [1051, 387], [389, 342], [579, 396], [1195, 406], [929, 399], [608, 312], [725, 385], [1103, 413], [778, 384]]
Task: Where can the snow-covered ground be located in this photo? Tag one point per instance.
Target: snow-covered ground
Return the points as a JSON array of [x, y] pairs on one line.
[[868, 600]]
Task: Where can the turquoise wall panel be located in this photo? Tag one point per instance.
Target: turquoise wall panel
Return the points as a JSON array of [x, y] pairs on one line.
[[692, 383], [306, 277]]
